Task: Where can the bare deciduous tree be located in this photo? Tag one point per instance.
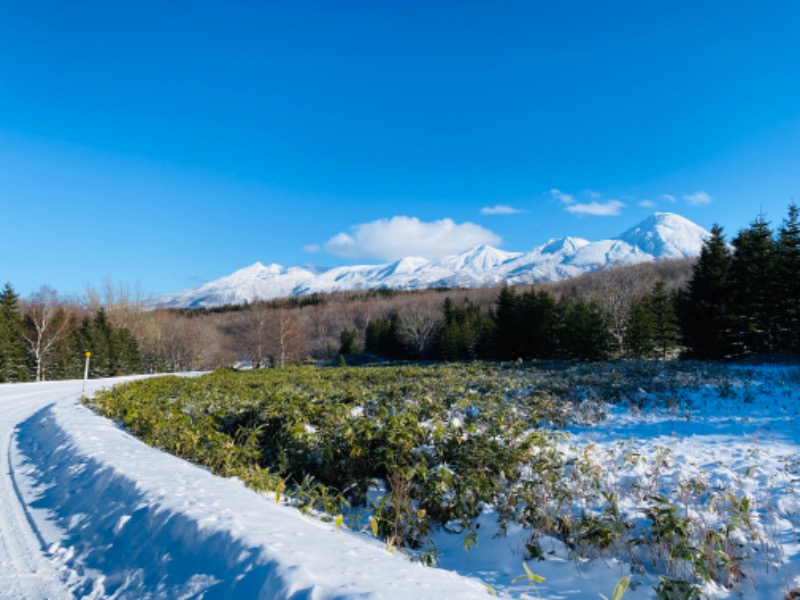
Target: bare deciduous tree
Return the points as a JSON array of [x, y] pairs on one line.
[[45, 323], [286, 338], [418, 329], [252, 330]]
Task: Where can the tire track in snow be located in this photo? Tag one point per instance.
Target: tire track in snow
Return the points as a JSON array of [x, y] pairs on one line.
[[26, 571]]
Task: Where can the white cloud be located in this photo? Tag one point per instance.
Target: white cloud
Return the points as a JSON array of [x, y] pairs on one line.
[[561, 196], [698, 198], [645, 203], [593, 204], [390, 239], [668, 198], [597, 209], [500, 209]]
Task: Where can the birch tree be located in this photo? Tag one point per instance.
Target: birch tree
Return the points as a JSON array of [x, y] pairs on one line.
[[45, 323]]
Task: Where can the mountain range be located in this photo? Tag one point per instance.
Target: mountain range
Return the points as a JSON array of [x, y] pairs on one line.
[[660, 236]]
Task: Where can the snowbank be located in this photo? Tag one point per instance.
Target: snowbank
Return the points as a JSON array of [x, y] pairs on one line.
[[127, 520]]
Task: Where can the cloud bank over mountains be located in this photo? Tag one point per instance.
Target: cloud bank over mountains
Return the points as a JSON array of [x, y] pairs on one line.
[[391, 239], [402, 236]]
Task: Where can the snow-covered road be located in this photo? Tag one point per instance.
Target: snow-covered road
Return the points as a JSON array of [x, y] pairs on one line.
[[25, 571], [88, 511]]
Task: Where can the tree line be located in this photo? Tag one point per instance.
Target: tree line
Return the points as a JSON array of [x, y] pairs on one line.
[[744, 297], [740, 299], [45, 338], [735, 300]]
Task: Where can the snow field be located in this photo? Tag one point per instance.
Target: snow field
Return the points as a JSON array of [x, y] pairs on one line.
[[727, 458]]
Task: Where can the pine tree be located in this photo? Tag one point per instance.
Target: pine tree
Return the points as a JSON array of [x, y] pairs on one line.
[[126, 358], [705, 318], [14, 361], [584, 331], [640, 331], [467, 332], [102, 346], [540, 320], [509, 326], [348, 339], [787, 281], [114, 350], [380, 337], [753, 291], [80, 344], [665, 320]]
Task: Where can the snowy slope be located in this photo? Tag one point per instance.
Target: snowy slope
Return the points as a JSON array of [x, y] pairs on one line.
[[363, 277], [662, 235], [666, 235], [476, 267]]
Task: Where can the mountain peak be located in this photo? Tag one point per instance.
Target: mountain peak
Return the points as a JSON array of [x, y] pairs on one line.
[[666, 235], [565, 244], [479, 257], [661, 235]]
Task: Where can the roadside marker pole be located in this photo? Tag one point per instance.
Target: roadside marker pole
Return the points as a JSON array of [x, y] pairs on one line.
[[86, 373]]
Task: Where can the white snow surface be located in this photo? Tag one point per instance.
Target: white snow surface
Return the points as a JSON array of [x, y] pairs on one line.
[[90, 512], [667, 237], [743, 439], [662, 235]]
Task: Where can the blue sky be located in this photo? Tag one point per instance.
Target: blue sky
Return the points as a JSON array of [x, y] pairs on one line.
[[171, 143]]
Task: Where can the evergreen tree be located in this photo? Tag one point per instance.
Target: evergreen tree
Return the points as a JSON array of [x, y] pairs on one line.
[[79, 343], [652, 328], [665, 320], [14, 360], [542, 318], [348, 339], [527, 325], [380, 338], [705, 317], [787, 282], [114, 350], [101, 336], [375, 335], [509, 326], [467, 332], [584, 333], [753, 290], [126, 352], [640, 330], [61, 359]]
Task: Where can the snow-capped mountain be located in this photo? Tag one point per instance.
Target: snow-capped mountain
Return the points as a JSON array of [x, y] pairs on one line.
[[244, 285], [666, 235], [662, 235]]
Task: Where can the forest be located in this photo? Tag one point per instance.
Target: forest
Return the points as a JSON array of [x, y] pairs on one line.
[[738, 299]]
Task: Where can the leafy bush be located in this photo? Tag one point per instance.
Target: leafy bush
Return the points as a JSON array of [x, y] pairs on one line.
[[416, 448]]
